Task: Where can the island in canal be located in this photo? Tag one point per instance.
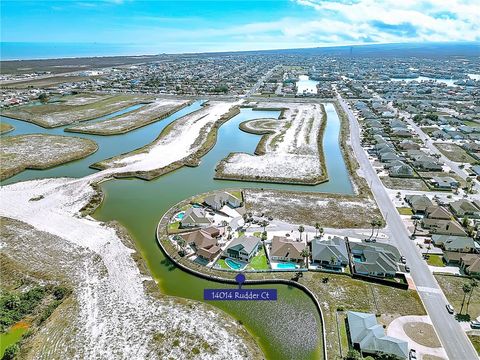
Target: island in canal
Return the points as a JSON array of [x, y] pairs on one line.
[[127, 193]]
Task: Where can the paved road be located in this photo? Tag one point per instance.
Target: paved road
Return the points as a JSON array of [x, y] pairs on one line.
[[259, 83], [453, 338]]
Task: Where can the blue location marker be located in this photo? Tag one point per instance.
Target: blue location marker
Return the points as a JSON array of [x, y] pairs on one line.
[[240, 279]]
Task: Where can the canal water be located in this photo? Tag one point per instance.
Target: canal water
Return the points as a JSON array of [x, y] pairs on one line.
[[286, 329]]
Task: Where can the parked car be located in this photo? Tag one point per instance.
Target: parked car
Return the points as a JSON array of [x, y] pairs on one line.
[[413, 354], [474, 324], [417, 217], [407, 268], [403, 260], [450, 309]]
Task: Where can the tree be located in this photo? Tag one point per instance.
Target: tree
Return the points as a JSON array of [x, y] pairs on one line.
[[305, 254], [229, 229], [224, 224], [466, 289], [353, 355], [265, 223], [321, 231], [317, 227], [301, 229], [473, 285], [373, 223], [379, 225], [43, 97], [10, 352], [182, 243], [415, 224], [465, 221]]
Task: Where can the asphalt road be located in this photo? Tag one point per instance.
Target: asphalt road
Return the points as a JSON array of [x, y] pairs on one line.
[[450, 333]]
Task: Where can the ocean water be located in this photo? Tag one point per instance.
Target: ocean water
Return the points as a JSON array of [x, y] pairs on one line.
[[29, 51]]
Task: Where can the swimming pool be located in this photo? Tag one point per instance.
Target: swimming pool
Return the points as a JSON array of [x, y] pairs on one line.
[[286, 265], [234, 264], [180, 215]]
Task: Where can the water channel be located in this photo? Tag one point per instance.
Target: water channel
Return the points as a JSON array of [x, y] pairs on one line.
[[289, 328]]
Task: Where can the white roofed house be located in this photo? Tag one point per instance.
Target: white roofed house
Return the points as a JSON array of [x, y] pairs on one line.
[[367, 336], [195, 217], [218, 200], [330, 253]]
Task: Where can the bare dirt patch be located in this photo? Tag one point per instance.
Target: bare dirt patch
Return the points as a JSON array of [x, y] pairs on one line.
[[290, 152], [74, 108], [157, 110], [40, 151], [422, 333], [455, 153]]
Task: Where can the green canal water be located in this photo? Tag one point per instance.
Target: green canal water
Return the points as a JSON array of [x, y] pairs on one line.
[[286, 329], [12, 336]]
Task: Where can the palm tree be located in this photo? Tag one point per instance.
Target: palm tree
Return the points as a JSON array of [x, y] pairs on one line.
[[305, 254], [265, 223], [466, 289], [321, 231], [373, 223], [473, 285], [379, 225], [224, 224], [301, 229], [415, 224], [229, 229], [182, 243], [317, 227]]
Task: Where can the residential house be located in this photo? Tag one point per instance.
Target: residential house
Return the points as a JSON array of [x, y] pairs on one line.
[[444, 182], [408, 145], [367, 336], [463, 244], [220, 199], [243, 248], [437, 212], [443, 227], [463, 207], [400, 170], [285, 249], [426, 163], [203, 243], [375, 259], [470, 264], [195, 217], [418, 203], [330, 253]]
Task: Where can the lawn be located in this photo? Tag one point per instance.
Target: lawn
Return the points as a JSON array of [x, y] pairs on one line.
[[475, 342], [404, 211], [237, 194], [455, 153], [471, 123], [435, 260], [452, 287], [404, 183], [222, 264], [343, 292], [342, 327], [173, 227], [259, 262]]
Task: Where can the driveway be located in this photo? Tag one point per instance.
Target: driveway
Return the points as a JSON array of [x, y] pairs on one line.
[[395, 329]]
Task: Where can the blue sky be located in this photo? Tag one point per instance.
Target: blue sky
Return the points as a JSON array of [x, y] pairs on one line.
[[193, 26]]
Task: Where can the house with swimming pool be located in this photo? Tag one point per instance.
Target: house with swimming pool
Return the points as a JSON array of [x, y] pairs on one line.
[[374, 259], [243, 248], [285, 249]]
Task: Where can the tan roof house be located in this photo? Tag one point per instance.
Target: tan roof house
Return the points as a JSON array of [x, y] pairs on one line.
[[285, 249]]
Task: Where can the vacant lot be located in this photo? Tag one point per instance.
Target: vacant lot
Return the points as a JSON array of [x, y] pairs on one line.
[[45, 82], [341, 292], [452, 287], [135, 119], [422, 333], [330, 210], [36, 151], [455, 153], [404, 183], [290, 151], [71, 109]]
